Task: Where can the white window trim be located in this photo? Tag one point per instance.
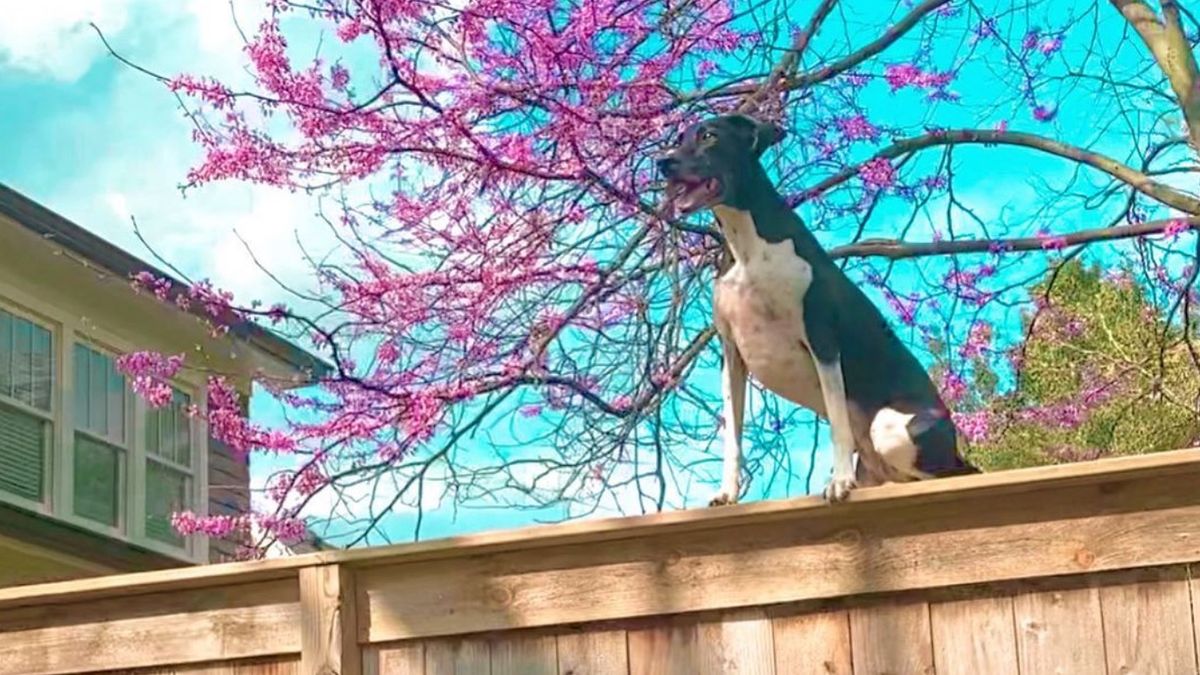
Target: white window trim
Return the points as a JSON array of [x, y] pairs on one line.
[[58, 485]]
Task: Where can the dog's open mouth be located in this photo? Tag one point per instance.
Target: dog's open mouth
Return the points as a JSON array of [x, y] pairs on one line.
[[688, 195]]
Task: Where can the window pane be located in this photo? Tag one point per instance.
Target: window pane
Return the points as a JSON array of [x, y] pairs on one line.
[[169, 429], [26, 361], [100, 395], [43, 368], [82, 382], [97, 481], [116, 403], [22, 372], [97, 396], [166, 493], [22, 453]]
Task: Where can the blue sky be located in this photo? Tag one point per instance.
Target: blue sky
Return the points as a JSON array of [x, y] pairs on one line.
[[98, 142]]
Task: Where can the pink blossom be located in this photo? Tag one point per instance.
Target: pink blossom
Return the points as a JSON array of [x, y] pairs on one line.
[[975, 426], [150, 374], [1050, 45], [857, 128], [1176, 227], [878, 174], [953, 387], [979, 341], [1043, 114]]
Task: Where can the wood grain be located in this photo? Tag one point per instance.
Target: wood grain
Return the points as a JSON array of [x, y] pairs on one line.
[[593, 652], [273, 667], [1037, 480], [741, 642], [1193, 574], [812, 644], [328, 622], [1067, 531], [668, 649], [177, 628], [525, 655], [974, 637], [891, 639], [1059, 632], [1142, 624], [407, 658], [458, 657]]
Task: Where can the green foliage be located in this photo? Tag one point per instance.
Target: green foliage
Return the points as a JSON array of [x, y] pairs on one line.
[[1100, 374]]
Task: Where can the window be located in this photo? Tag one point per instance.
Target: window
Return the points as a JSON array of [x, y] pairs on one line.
[[26, 411], [77, 444], [168, 466], [101, 451]]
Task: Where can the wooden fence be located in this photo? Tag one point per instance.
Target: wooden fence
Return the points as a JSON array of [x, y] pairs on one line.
[[1082, 568]]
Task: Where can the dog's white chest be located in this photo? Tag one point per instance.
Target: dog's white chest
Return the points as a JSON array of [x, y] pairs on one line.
[[759, 305]]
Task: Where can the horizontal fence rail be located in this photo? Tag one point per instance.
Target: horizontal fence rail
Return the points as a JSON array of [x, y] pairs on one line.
[[1073, 568]]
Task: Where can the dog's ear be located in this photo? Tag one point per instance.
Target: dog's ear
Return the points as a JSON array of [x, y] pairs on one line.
[[762, 134], [766, 134]]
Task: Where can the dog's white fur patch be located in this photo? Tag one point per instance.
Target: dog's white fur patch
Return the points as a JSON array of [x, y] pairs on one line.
[[759, 310], [893, 444]]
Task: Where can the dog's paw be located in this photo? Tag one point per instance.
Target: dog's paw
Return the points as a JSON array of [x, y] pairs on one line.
[[838, 489], [723, 498]]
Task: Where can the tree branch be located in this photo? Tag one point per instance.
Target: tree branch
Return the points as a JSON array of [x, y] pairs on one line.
[[1139, 181], [895, 249], [1167, 42], [836, 68]]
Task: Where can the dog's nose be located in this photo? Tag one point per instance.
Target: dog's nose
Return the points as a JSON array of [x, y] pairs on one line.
[[667, 165]]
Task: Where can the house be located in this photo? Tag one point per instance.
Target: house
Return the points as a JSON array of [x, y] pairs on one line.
[[89, 474]]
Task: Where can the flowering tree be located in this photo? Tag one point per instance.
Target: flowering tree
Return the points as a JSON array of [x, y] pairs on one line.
[[512, 321]]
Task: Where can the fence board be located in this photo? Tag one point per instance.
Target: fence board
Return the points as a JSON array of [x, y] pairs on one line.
[[974, 637], [593, 652], [401, 659], [1069, 530], [197, 626], [458, 657], [273, 667], [741, 642], [891, 639], [1193, 573], [327, 622], [663, 650], [525, 655], [1059, 632], [1141, 621], [812, 644]]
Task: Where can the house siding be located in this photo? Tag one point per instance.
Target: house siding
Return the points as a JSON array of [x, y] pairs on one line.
[[228, 495]]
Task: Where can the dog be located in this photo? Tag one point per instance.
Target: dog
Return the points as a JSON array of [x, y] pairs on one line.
[[787, 314]]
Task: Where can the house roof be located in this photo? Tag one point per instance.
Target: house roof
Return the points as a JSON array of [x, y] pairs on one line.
[[53, 227]]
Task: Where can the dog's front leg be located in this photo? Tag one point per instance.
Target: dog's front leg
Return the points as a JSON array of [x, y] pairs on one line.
[[733, 395], [833, 390]]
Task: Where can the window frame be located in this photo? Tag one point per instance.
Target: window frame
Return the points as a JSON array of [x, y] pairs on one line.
[[58, 482], [53, 416]]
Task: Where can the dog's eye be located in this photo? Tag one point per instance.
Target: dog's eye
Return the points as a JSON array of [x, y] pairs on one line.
[[707, 136]]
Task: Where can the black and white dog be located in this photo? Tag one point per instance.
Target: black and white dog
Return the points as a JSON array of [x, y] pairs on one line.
[[789, 316]]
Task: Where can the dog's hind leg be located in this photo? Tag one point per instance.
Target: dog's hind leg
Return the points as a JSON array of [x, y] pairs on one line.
[[918, 445], [733, 393]]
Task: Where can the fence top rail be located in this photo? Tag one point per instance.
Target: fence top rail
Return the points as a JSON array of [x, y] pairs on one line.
[[1110, 470]]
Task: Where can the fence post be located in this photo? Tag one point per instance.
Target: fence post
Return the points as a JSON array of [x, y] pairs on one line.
[[328, 622]]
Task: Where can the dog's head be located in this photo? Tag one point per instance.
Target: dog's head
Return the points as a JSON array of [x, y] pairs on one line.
[[712, 158]]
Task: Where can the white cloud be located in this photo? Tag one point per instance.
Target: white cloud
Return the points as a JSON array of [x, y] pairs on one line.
[[53, 38]]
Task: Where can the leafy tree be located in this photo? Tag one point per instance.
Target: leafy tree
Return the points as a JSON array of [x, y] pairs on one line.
[[1101, 372]]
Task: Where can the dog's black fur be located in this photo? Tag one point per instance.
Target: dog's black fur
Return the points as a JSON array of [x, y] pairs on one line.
[[722, 155]]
